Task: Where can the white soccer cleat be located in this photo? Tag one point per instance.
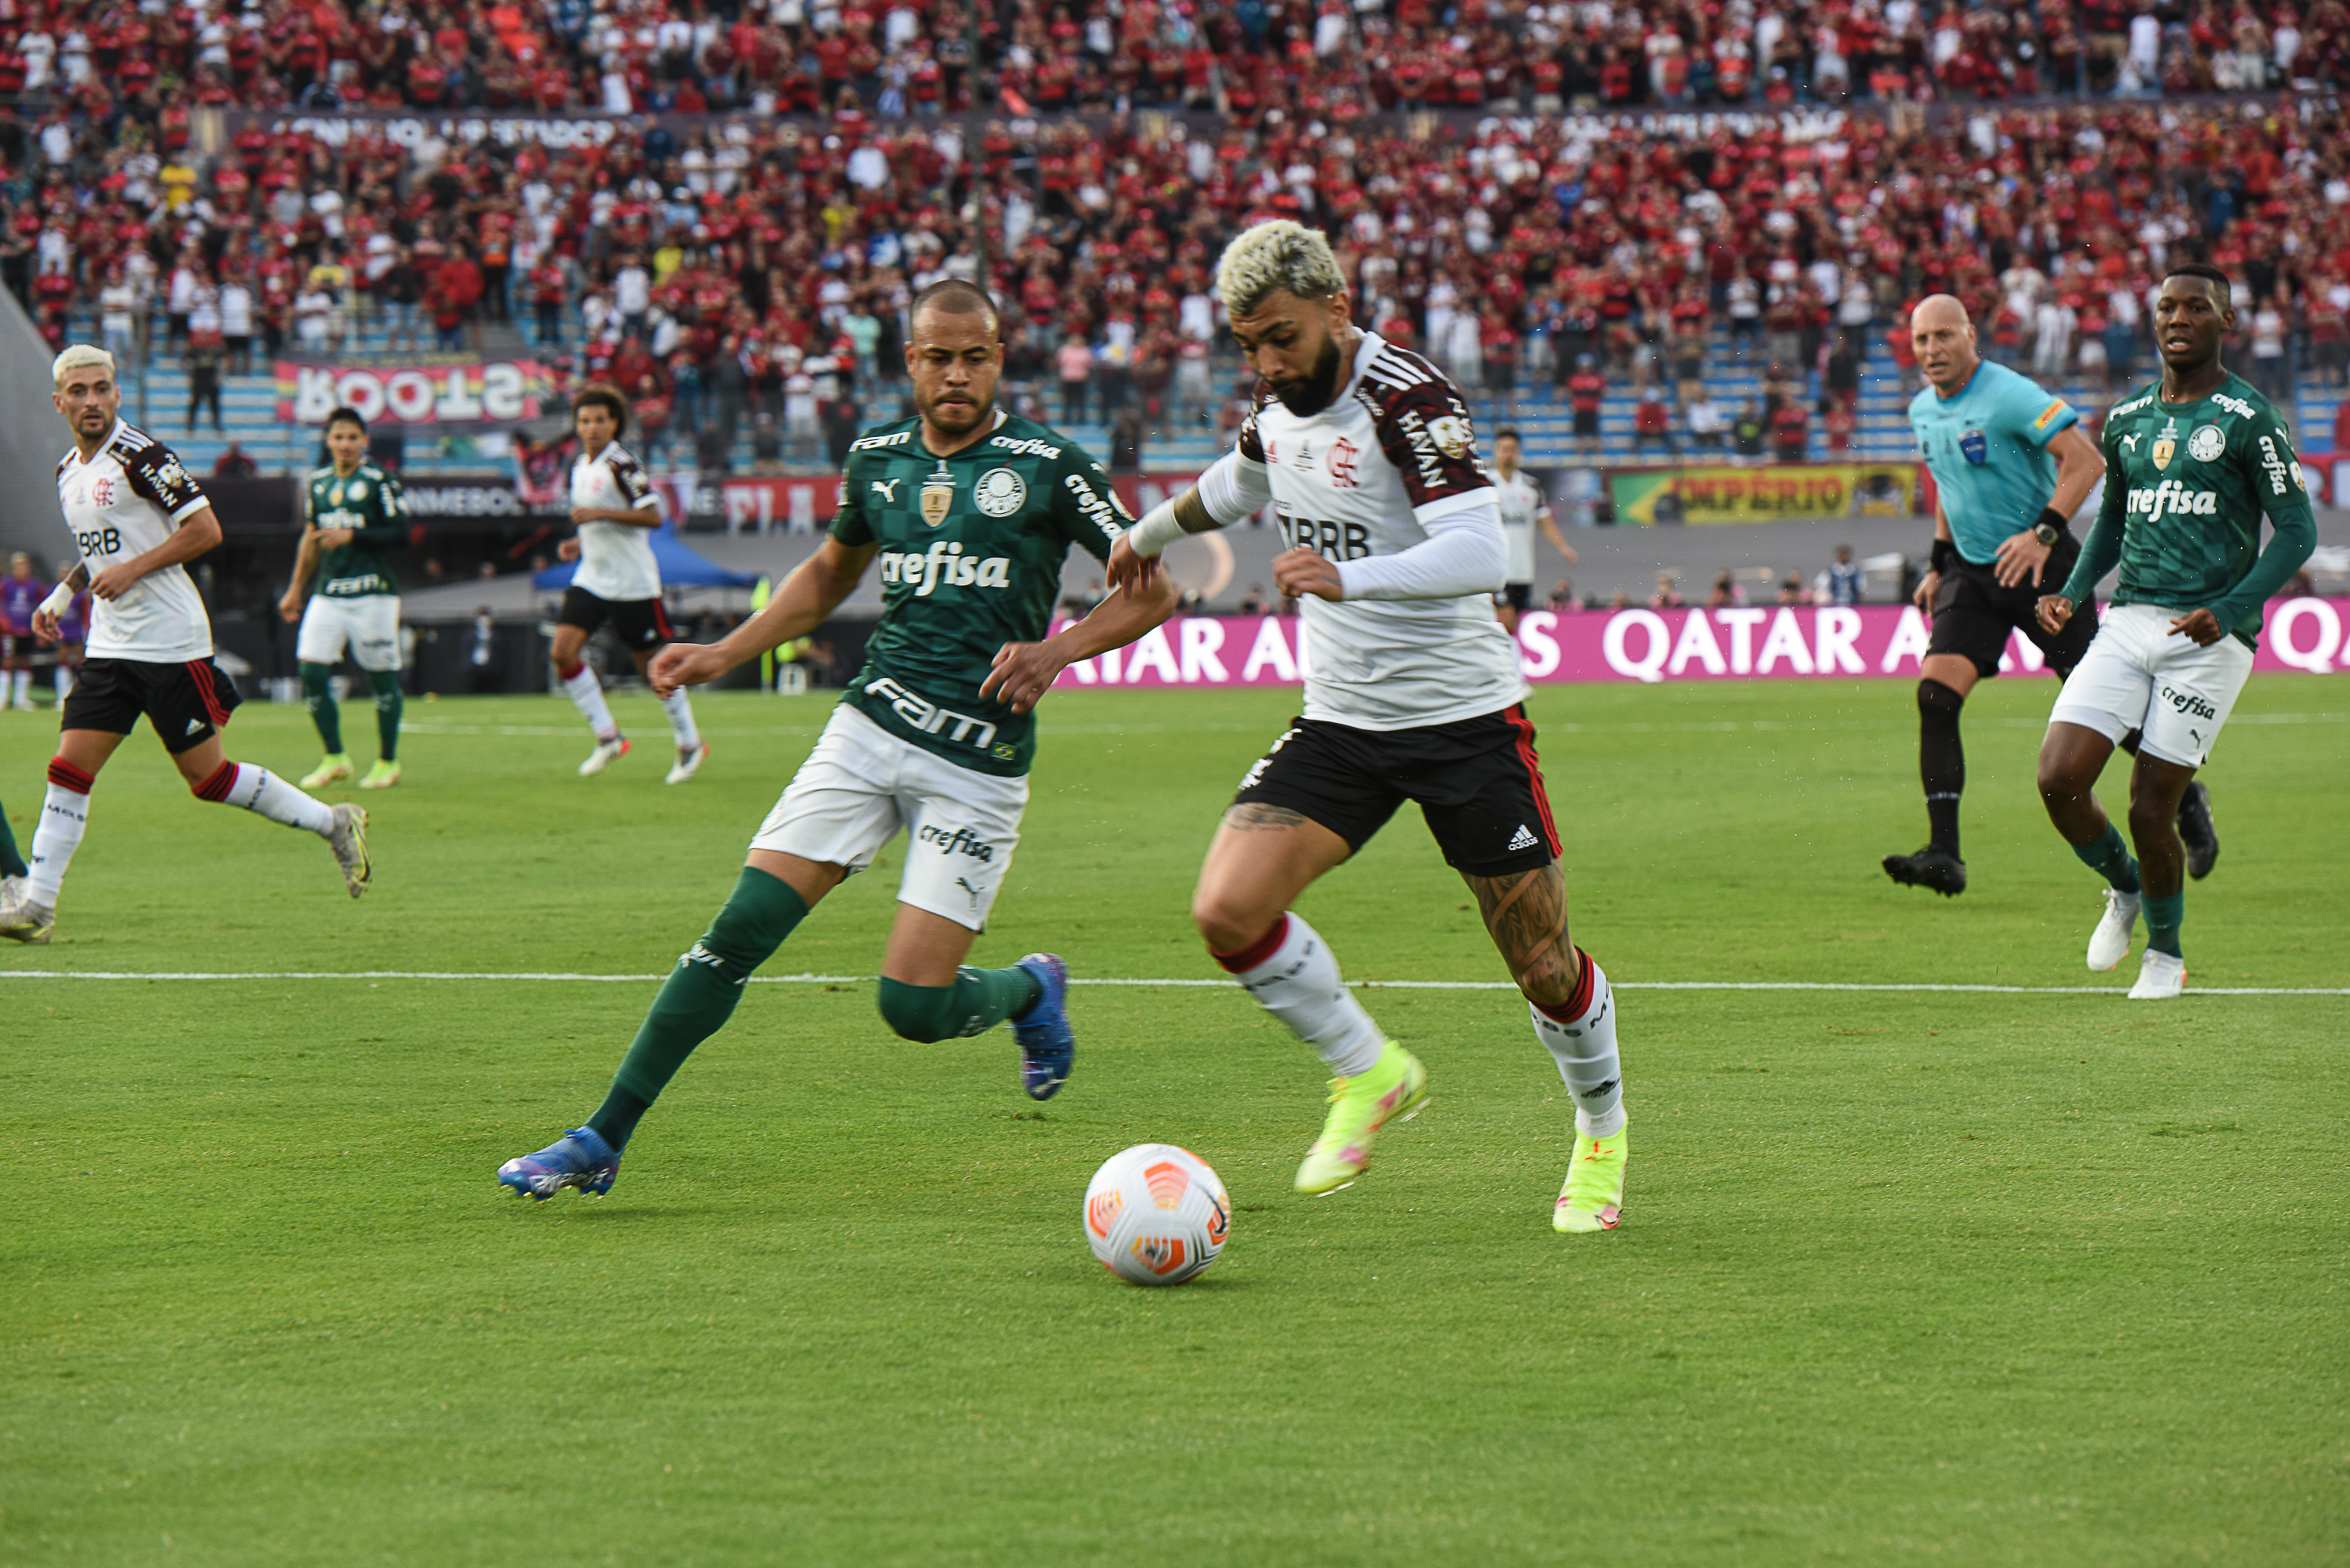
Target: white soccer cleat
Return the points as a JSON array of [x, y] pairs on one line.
[[688, 764], [21, 919], [606, 754], [2109, 943], [347, 839], [2160, 976]]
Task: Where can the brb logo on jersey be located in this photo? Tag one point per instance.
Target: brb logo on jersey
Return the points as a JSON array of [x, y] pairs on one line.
[[1332, 541]]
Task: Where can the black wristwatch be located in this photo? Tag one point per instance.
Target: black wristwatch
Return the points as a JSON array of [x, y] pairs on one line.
[[2048, 527]]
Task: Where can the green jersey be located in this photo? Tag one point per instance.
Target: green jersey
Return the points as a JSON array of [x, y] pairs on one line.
[[970, 553], [368, 502], [2185, 487]]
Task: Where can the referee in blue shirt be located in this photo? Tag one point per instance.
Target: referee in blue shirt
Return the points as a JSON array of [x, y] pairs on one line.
[[2011, 466]]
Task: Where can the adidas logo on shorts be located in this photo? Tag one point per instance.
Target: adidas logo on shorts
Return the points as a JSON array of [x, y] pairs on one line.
[[1524, 839]]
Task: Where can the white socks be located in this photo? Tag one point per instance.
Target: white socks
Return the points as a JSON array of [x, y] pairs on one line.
[[1293, 976], [680, 709], [25, 686], [262, 793], [1584, 1044], [64, 815], [587, 694]]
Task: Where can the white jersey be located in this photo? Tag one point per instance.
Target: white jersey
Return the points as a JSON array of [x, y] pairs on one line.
[[1393, 453], [122, 503], [616, 560], [1521, 500]]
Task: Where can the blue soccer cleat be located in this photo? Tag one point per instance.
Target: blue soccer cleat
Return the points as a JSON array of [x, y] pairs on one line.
[[579, 1158], [1046, 1046]]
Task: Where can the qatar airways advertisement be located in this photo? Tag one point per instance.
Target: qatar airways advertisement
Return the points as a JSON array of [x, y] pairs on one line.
[[1652, 646]]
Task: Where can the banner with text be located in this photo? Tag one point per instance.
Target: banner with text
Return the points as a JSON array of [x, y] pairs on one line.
[[1766, 494], [1747, 642], [453, 396], [801, 503]]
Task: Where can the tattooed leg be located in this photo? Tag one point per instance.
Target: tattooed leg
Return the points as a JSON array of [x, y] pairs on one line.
[[1526, 911], [1263, 857]]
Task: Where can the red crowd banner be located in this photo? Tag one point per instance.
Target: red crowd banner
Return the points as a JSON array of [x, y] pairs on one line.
[[1743, 643]]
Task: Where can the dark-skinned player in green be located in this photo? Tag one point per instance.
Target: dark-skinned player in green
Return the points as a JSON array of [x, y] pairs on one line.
[[355, 516], [970, 513], [2192, 463]]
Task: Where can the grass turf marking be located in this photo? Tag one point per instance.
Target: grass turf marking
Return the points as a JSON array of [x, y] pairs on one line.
[[1366, 984]]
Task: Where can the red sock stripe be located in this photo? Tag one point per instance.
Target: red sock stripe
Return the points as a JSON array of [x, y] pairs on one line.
[[562, 674], [216, 787], [1574, 1006], [200, 671], [1524, 728], [1257, 951], [65, 776]]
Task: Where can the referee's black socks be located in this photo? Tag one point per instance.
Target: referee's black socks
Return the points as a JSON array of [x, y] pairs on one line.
[[1941, 761]]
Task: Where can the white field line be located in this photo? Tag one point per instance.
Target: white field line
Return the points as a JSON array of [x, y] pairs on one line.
[[382, 974]]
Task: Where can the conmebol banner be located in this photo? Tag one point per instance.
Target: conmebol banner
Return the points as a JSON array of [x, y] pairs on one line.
[[498, 392], [1747, 642]]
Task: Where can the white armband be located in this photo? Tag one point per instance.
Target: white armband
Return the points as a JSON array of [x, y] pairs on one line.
[[60, 598], [1156, 530]]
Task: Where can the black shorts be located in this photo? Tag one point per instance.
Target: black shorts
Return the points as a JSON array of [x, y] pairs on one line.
[[187, 703], [1974, 614], [1476, 781], [1586, 423], [640, 624], [1517, 596]]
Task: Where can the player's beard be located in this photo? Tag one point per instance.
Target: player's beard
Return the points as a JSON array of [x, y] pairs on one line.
[[957, 417], [1311, 396]]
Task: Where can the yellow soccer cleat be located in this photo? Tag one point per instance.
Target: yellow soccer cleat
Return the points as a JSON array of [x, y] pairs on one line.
[[1593, 1197], [383, 776], [335, 769], [1393, 1090]]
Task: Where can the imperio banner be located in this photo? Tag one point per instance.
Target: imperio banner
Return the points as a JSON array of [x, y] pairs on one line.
[[1766, 494], [1655, 647]]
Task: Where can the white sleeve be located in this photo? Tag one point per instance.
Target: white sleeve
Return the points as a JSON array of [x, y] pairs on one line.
[[1234, 487], [1463, 554]]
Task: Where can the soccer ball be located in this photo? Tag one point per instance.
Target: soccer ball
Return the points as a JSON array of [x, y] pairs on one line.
[[1155, 1214]]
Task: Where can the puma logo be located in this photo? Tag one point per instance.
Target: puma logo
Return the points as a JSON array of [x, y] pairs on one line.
[[886, 489]]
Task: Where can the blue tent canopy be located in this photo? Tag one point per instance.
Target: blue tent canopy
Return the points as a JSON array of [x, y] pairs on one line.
[[680, 567]]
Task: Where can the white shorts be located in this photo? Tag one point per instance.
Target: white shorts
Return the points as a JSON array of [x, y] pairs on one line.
[[369, 623], [2139, 675], [862, 783]]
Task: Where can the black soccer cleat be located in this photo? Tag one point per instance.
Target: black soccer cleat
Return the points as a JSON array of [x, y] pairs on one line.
[[2195, 830], [1932, 867]]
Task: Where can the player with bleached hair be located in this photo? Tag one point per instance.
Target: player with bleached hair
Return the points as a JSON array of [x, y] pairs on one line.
[[1366, 452], [137, 518]]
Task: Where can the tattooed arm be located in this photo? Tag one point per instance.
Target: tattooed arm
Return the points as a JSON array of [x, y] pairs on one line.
[[1526, 913]]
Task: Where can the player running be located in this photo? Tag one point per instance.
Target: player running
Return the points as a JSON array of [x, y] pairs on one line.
[[1366, 455], [618, 580], [138, 517], [1523, 508], [971, 511], [2195, 460], [355, 514], [2011, 466]]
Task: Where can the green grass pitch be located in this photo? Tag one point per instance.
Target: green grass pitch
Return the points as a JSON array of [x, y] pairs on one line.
[[1907, 1277]]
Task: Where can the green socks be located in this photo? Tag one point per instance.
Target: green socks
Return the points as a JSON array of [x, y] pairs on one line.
[[11, 863], [2163, 917], [386, 685], [320, 703], [978, 1000], [699, 996], [2110, 858]]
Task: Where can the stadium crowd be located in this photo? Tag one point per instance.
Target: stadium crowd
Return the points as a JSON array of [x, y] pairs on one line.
[[727, 270]]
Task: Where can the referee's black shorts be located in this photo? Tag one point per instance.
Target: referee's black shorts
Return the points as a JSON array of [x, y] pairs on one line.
[[1974, 614], [1477, 783]]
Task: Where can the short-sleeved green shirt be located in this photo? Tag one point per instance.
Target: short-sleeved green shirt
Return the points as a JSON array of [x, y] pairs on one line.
[[970, 553], [370, 503], [2186, 484]]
